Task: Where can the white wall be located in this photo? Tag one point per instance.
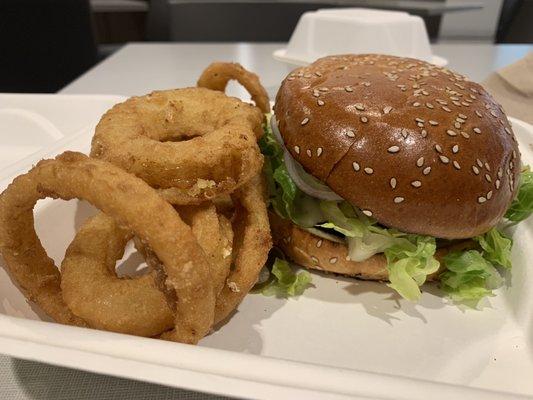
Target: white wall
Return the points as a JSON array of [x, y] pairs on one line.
[[478, 25]]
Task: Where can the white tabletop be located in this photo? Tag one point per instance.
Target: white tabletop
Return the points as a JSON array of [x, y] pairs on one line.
[[138, 69], [142, 67]]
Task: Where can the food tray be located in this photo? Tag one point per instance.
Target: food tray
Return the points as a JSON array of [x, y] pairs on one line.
[[341, 339]]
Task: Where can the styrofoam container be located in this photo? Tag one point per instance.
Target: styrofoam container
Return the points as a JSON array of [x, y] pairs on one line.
[[342, 339], [357, 30]]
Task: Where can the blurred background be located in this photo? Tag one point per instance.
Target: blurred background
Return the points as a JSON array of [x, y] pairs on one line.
[[44, 44]]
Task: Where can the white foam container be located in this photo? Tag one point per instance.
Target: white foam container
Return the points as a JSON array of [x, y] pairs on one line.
[[341, 339], [356, 30]]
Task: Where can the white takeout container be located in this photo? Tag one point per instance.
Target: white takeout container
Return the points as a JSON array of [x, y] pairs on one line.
[[342, 339], [356, 30]]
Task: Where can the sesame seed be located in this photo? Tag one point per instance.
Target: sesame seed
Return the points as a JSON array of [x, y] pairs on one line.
[[425, 93], [455, 149], [424, 133], [481, 199], [350, 133], [309, 154], [489, 194], [318, 73], [487, 166], [488, 178], [460, 120], [348, 89], [364, 119], [323, 89], [465, 135], [420, 124], [426, 170], [442, 102], [500, 173], [479, 114], [444, 159], [320, 102], [456, 165], [416, 104], [497, 183], [305, 121], [319, 243], [475, 169], [319, 152], [315, 260], [297, 149], [419, 120], [369, 171], [514, 154], [368, 213], [507, 130], [463, 116], [387, 109], [451, 133], [438, 148], [446, 109], [478, 161], [393, 183], [398, 199], [359, 106], [416, 184], [420, 162], [393, 149], [316, 94], [356, 166], [493, 113], [456, 103], [366, 84], [457, 125], [477, 130], [333, 260], [429, 105], [434, 123]]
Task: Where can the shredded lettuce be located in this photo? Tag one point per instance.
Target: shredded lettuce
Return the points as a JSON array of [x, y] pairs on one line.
[[496, 247], [284, 282], [469, 277], [409, 263], [522, 205], [285, 197]]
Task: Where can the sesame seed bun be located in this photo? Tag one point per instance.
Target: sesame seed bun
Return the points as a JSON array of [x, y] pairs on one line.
[[310, 251], [417, 147]]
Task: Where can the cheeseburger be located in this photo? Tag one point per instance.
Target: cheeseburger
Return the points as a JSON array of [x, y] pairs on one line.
[[393, 169]]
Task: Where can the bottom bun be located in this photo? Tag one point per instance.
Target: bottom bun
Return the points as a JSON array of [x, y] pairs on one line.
[[314, 252]]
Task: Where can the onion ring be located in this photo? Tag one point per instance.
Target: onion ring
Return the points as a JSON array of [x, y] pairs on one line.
[[217, 75], [131, 202], [252, 243], [194, 144]]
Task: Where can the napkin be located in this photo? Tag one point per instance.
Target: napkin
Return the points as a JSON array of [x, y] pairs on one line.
[[512, 87]]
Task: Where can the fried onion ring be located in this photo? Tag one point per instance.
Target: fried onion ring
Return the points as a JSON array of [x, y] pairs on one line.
[[217, 75], [136, 206], [134, 306], [252, 242], [194, 144]]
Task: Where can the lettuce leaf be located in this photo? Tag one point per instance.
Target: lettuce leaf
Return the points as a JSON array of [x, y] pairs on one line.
[[496, 247], [469, 277], [522, 205], [284, 282], [285, 197], [409, 263]]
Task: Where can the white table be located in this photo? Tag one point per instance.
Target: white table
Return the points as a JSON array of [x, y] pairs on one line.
[[137, 69]]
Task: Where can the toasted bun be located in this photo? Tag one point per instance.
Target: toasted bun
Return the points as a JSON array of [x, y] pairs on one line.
[[310, 251], [415, 146]]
